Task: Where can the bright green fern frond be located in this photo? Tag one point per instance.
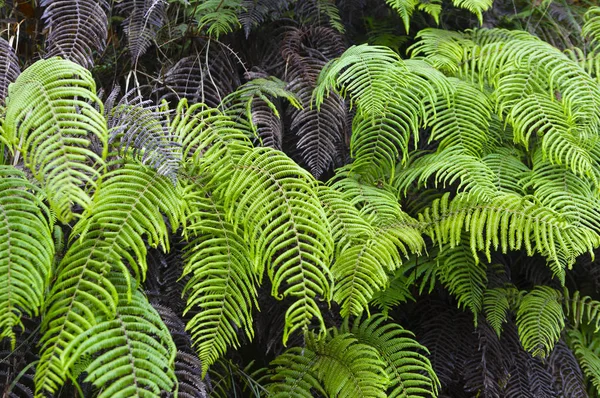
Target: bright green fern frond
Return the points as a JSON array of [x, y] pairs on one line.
[[477, 7], [496, 304], [347, 225], [591, 27], [222, 284], [450, 167], [409, 370], [464, 276], [540, 320], [582, 309], [463, 121], [337, 365], [122, 220], [218, 16], [275, 203], [405, 9], [209, 139], [26, 250], [51, 118], [442, 48], [509, 169], [508, 221], [133, 354], [585, 347], [398, 291]]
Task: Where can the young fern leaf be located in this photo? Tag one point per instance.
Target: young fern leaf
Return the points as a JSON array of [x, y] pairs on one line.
[[274, 202], [26, 251], [222, 285], [51, 118], [9, 68], [540, 320], [336, 365], [77, 29], [409, 370], [112, 236], [133, 353]]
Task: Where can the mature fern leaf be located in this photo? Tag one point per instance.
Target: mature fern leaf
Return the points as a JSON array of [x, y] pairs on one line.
[[205, 77], [9, 68], [222, 286], [566, 372], [219, 17], [477, 7], [591, 27], [497, 302], [275, 203], [337, 365], [509, 169], [26, 251], [140, 126], [111, 236], [77, 29], [133, 354], [585, 347], [405, 9], [408, 369], [143, 19], [51, 117], [540, 320]]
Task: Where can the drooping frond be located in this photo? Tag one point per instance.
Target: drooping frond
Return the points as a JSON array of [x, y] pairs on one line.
[[218, 17], [497, 302], [9, 68], [51, 118], [464, 276], [112, 236], [222, 284], [405, 9], [477, 7], [540, 320], [132, 354], [206, 77], [272, 199], [77, 29], [509, 222], [139, 126], [143, 19], [26, 251], [407, 366], [337, 365], [252, 105]]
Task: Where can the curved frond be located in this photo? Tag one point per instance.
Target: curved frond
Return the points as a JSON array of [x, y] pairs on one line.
[[477, 7], [111, 237], [51, 118], [221, 289], [409, 370], [132, 354], [77, 29], [336, 365], [585, 348], [591, 27], [274, 202], [540, 320], [9, 68], [26, 251], [496, 304]]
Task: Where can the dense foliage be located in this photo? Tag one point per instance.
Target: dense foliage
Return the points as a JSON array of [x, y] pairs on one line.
[[352, 198]]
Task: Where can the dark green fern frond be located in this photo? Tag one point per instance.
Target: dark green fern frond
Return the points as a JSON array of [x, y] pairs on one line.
[[408, 369], [51, 117], [397, 292], [26, 251], [112, 236], [337, 365], [133, 354], [221, 289], [540, 320], [273, 200]]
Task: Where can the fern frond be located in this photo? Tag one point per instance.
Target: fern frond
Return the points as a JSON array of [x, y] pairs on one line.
[[133, 354], [219, 16], [77, 29], [319, 12], [253, 13], [140, 126], [26, 251], [582, 309], [222, 284], [509, 169], [9, 68], [143, 19], [585, 348], [51, 118], [540, 320], [405, 9], [337, 365], [477, 7], [408, 369], [274, 202], [496, 304], [464, 276], [566, 372], [397, 292], [112, 236], [591, 27]]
